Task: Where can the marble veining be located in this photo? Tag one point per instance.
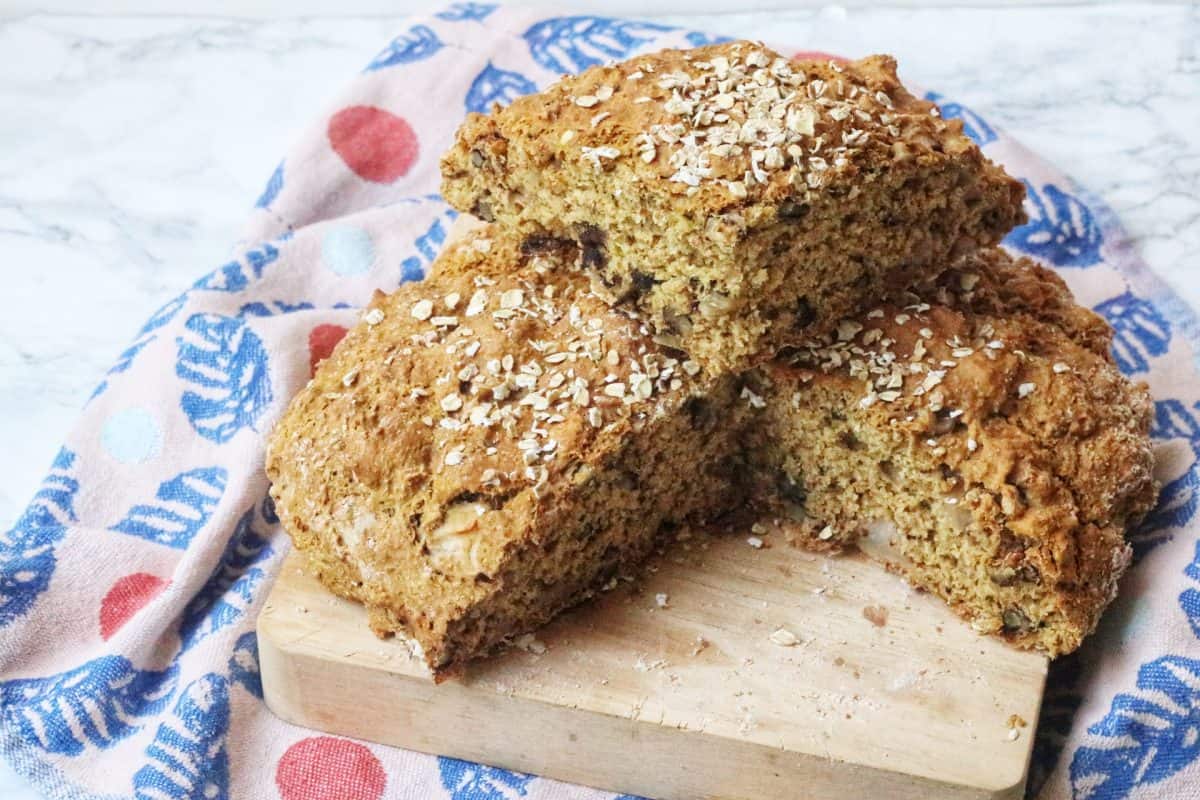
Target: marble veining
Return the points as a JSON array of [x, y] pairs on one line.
[[131, 149]]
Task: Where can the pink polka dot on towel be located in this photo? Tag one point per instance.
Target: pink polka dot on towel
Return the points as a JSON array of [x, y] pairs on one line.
[[323, 767], [127, 596], [376, 144]]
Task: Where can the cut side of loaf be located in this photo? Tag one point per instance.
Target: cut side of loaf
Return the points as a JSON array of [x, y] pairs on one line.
[[733, 198], [977, 438], [490, 446]]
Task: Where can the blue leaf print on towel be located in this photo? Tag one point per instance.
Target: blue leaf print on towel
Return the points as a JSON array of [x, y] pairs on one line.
[[188, 760], [494, 85], [258, 309], [226, 363], [1189, 601], [27, 559], [1059, 705], [461, 12], [1141, 331], [974, 125], [419, 43], [230, 590], [570, 44], [267, 509], [149, 331], [1152, 733], [243, 664], [145, 336], [184, 506], [1146, 736], [428, 244], [467, 781], [237, 274], [164, 315], [1172, 420], [1060, 230], [1177, 502], [271, 191], [97, 704], [1179, 498], [699, 39]]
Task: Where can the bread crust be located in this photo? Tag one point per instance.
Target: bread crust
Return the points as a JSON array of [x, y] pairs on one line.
[[1014, 446], [1008, 463], [489, 446], [734, 198]]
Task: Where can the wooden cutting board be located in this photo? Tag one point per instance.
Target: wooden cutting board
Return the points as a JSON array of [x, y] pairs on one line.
[[884, 694]]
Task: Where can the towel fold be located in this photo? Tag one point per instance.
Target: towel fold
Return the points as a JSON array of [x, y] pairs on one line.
[[129, 587]]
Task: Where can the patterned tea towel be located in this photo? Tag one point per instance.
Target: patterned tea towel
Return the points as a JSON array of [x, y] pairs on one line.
[[129, 588]]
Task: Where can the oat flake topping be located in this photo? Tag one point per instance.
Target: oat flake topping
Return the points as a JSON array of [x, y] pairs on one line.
[[751, 108]]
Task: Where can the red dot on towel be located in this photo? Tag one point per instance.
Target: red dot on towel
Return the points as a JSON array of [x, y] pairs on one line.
[[377, 145], [127, 597], [322, 767], [818, 55], [321, 342]]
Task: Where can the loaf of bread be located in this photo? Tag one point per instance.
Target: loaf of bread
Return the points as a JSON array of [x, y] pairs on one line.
[[732, 197], [716, 281], [975, 436], [491, 445]]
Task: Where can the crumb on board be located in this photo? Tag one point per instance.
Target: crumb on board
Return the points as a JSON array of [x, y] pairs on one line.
[[530, 644], [876, 615], [784, 638], [1014, 723], [642, 665]]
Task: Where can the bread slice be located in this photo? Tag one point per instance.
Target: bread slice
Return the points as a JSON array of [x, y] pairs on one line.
[[491, 445], [732, 197], [976, 437]]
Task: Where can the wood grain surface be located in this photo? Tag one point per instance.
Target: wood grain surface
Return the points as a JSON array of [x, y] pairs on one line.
[[726, 671]]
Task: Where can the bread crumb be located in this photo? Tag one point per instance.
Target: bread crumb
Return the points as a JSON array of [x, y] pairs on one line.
[[877, 615], [784, 638], [530, 644], [642, 665]]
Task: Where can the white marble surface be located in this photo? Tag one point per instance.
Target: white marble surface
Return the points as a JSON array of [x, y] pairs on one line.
[[131, 148]]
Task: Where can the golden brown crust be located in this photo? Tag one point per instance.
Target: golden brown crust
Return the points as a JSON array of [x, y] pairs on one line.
[[994, 388], [474, 428], [861, 113], [980, 417], [732, 197], [492, 445]]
